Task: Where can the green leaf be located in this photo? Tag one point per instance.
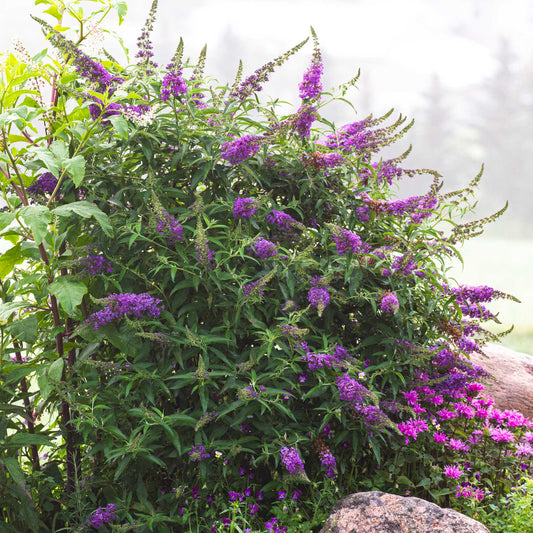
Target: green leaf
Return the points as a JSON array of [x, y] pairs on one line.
[[48, 159], [122, 9], [15, 471], [120, 125], [8, 260], [60, 151], [76, 168], [26, 329], [37, 217], [55, 370], [45, 388], [85, 210], [6, 219], [69, 293], [27, 439]]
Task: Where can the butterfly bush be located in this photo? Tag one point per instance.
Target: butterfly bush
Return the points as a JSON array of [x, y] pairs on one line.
[[210, 303]]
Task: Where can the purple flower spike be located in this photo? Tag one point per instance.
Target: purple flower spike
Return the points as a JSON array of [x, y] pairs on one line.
[[121, 305], [244, 207], [389, 303], [101, 516], [318, 296], [292, 461], [264, 248], [240, 149]]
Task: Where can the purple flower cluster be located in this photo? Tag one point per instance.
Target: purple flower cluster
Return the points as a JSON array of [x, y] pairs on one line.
[[241, 149], [318, 294], [273, 526], [97, 110], [168, 227], [144, 44], [417, 207], [452, 471], [101, 516], [328, 461], [319, 160], [357, 138], [311, 85], [348, 241], [121, 305], [256, 288], [292, 461], [475, 294], [264, 248], [244, 207], [389, 303], [303, 119], [386, 171], [284, 226], [173, 85], [43, 185], [198, 454], [350, 390], [96, 264]]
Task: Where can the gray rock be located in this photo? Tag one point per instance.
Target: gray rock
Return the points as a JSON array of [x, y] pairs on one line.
[[379, 512], [512, 371]]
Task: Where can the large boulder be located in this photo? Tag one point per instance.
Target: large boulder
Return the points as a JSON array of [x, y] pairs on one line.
[[512, 387], [379, 512]]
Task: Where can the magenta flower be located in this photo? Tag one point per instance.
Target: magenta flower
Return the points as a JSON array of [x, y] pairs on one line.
[[453, 472], [501, 435]]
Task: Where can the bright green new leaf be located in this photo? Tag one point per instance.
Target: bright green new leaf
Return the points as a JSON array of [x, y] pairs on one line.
[[8, 260], [55, 370], [37, 217], [69, 293], [76, 167]]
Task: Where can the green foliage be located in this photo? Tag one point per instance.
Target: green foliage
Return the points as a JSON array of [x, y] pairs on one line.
[[212, 307]]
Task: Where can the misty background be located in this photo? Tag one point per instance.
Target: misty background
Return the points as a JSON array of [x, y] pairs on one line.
[[463, 69]]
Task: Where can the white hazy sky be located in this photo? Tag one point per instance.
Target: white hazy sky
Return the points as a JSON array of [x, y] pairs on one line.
[[398, 44]]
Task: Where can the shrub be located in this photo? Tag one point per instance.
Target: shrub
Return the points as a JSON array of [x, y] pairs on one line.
[[215, 314]]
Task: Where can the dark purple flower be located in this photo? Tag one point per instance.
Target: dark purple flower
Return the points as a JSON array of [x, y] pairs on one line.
[[311, 85], [303, 119], [96, 264], [168, 227], [244, 207], [241, 149], [198, 453], [101, 516], [389, 303], [328, 461], [144, 43], [347, 241], [121, 305], [318, 295], [264, 248], [173, 85], [292, 461], [43, 185], [350, 390], [96, 110]]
